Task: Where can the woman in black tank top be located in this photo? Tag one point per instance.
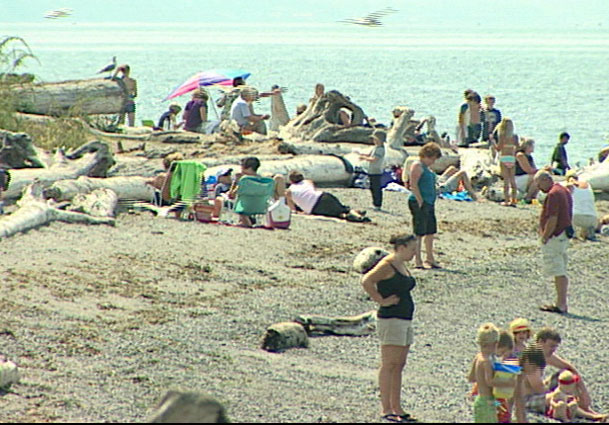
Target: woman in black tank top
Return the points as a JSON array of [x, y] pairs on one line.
[[389, 284]]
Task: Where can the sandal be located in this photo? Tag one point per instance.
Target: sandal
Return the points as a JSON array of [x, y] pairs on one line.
[[408, 418], [432, 265], [551, 308], [391, 417]]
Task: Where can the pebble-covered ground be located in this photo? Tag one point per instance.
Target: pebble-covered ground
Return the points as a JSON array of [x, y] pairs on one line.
[[103, 321]]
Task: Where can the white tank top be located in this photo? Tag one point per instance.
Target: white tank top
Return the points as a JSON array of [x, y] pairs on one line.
[[304, 195], [583, 201]]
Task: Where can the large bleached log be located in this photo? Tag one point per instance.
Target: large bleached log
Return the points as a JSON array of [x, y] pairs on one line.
[[322, 169], [75, 97], [99, 203], [194, 408], [94, 159], [597, 175], [363, 324], [34, 211], [478, 164], [126, 188]]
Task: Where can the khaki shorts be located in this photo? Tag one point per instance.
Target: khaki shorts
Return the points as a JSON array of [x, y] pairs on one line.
[[395, 332], [555, 255]]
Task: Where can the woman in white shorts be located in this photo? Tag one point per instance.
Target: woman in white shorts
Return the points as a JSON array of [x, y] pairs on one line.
[[389, 284]]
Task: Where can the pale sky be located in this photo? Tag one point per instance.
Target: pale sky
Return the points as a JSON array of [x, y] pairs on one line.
[[529, 14]]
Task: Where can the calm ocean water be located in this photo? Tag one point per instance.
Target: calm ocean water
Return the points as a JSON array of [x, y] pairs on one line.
[[546, 81]]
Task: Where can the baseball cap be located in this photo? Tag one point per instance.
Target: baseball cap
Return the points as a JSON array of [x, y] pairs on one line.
[[224, 172]]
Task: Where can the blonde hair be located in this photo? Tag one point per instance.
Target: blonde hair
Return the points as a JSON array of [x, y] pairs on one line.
[[487, 334], [505, 131]]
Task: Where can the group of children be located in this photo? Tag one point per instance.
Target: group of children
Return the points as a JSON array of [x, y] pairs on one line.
[[497, 373]]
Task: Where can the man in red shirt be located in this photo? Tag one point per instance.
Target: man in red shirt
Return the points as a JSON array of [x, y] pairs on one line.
[[554, 223]]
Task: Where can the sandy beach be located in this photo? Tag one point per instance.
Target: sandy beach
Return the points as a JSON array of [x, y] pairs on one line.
[[104, 320]]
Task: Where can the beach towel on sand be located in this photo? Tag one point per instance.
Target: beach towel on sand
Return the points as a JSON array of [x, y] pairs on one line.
[[457, 196]]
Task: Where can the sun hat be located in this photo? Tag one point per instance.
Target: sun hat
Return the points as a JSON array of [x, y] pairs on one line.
[[567, 377], [224, 172], [175, 107], [520, 325]]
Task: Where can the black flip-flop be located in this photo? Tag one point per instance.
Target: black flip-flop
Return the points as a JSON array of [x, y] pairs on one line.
[[392, 418], [408, 418], [551, 308]]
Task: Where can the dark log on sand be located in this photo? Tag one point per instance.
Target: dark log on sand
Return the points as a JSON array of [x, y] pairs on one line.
[[363, 324], [194, 408], [281, 336], [75, 97], [35, 211], [18, 151], [93, 159]]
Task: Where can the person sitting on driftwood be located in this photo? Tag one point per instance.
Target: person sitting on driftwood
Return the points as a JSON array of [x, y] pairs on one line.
[[242, 112], [162, 183], [249, 167], [302, 196], [168, 121], [195, 112]]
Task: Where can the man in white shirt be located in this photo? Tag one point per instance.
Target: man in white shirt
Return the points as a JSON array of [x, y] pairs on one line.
[[241, 111]]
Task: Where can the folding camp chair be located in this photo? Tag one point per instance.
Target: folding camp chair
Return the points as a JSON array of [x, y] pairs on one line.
[[185, 185], [254, 194]]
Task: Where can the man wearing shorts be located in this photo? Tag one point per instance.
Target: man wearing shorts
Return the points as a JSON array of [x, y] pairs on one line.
[[554, 224]]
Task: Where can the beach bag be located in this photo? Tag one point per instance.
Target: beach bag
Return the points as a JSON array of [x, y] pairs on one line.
[[279, 215]]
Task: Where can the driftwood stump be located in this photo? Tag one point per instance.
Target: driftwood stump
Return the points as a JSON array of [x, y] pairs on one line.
[[9, 374], [285, 335], [17, 151], [195, 408], [360, 325], [34, 211], [279, 113], [320, 122], [91, 159]]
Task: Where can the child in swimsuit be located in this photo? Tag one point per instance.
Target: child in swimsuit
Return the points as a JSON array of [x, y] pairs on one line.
[[507, 144]]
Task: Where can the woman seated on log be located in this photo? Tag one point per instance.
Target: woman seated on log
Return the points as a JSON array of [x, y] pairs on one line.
[[162, 183], [303, 196]]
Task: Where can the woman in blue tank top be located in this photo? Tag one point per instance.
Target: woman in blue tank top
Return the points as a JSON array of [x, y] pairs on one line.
[[389, 284], [422, 203]]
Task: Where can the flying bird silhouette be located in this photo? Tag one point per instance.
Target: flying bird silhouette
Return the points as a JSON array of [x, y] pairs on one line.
[[58, 13], [372, 19], [109, 67]]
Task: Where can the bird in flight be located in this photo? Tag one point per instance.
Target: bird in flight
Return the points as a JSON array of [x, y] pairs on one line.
[[58, 13], [372, 19], [109, 67]]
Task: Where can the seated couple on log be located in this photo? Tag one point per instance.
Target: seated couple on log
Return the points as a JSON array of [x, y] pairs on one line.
[[302, 196]]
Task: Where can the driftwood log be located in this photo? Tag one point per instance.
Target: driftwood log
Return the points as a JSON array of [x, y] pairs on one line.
[[597, 175], [126, 188], [35, 211], [320, 121], [87, 161], [279, 113], [360, 325], [76, 97], [285, 335], [99, 203], [195, 408], [18, 151], [479, 165]]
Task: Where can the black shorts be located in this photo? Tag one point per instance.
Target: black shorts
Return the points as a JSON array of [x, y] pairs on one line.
[[423, 219], [129, 107]]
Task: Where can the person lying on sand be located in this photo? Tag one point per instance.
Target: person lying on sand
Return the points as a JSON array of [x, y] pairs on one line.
[[304, 197]]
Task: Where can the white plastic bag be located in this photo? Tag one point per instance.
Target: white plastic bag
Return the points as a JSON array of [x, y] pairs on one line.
[[279, 215]]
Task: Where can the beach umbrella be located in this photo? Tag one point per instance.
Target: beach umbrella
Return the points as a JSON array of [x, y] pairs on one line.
[[223, 77]]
